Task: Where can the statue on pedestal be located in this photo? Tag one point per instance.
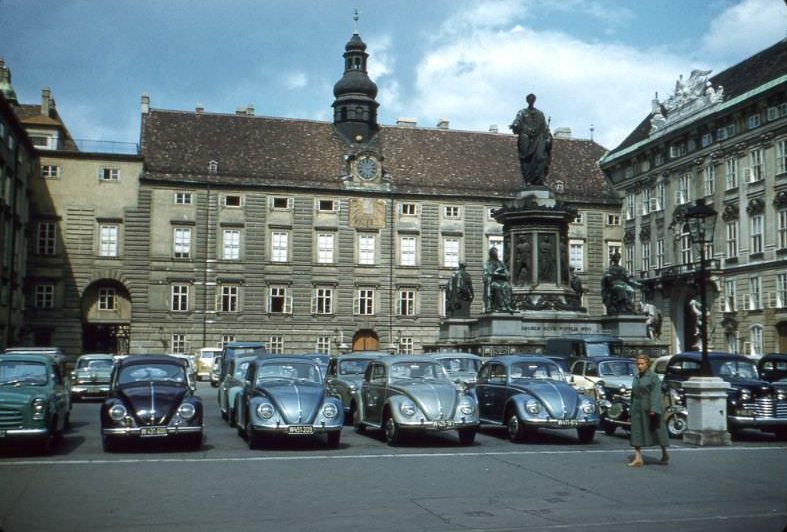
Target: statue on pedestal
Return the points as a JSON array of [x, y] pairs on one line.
[[497, 284], [459, 293], [618, 288], [534, 142]]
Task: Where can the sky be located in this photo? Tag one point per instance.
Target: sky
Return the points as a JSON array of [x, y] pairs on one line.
[[594, 65]]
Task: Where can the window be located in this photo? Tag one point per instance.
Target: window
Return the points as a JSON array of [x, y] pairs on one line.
[[325, 248], [178, 343], [109, 174], [213, 167], [364, 304], [407, 302], [408, 209], [227, 338], [323, 345], [182, 198], [278, 300], [366, 249], [646, 201], [576, 255], [45, 242], [327, 205], [407, 251], [731, 339], [613, 248], [182, 243], [645, 266], [276, 345], [753, 121], [755, 334], [781, 156], [323, 300], [707, 139], [661, 191], [233, 200], [755, 293], [230, 244], [732, 240], [685, 245], [450, 252], [281, 204], [730, 296], [781, 290], [659, 253], [452, 212], [613, 219], [107, 299], [629, 258], [757, 165], [772, 113], [757, 224], [279, 246], [229, 298], [406, 345], [782, 228], [709, 179], [180, 298], [631, 201], [731, 173], [50, 171], [108, 240], [45, 296], [579, 219], [683, 194]]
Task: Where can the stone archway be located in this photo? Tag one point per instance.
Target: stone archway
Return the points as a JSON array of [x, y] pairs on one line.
[[106, 317], [366, 340]]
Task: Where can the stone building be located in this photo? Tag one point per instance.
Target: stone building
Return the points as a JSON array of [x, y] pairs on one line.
[[311, 236], [721, 139]]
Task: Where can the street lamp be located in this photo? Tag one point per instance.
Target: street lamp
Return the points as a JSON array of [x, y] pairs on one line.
[[701, 219]]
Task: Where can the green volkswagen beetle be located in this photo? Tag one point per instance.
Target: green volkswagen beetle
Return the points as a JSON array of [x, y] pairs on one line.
[[34, 402]]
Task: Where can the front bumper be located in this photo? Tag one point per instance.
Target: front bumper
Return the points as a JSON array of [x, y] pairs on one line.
[[438, 426], [294, 430], [550, 423], [7, 434], [756, 422], [149, 432], [82, 390]]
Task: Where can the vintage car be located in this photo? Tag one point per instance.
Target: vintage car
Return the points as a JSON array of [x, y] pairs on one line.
[[344, 375], [607, 380], [286, 396], [752, 403], [90, 376], [152, 398], [773, 367], [408, 393], [526, 393], [460, 367], [205, 358], [215, 371], [190, 361], [659, 365], [34, 401], [238, 349], [231, 386]]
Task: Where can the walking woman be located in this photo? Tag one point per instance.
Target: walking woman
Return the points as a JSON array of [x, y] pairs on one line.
[[647, 421]]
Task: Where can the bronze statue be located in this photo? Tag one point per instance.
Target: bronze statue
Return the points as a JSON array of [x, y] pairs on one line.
[[618, 287], [459, 293], [497, 284], [534, 142]]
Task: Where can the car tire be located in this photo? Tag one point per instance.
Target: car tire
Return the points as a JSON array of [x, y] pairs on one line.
[[676, 425], [586, 434], [358, 425], [251, 438], [608, 428], [194, 441], [333, 439], [516, 429], [467, 436], [233, 414], [393, 433]]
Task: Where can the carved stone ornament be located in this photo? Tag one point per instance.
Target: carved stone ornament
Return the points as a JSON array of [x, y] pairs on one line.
[[644, 233], [629, 238], [689, 97], [780, 200], [755, 206], [730, 212]]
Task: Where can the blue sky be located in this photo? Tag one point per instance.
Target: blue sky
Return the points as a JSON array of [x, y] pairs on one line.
[[472, 62]]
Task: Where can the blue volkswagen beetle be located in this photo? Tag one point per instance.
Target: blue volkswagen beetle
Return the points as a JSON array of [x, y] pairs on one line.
[[525, 393], [287, 396]]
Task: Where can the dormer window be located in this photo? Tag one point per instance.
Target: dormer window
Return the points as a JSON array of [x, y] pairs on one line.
[[213, 167]]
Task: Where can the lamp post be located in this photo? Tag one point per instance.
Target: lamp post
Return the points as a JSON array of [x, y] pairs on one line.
[[701, 219]]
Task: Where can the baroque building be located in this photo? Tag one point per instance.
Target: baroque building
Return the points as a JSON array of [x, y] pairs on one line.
[[721, 139], [311, 236]]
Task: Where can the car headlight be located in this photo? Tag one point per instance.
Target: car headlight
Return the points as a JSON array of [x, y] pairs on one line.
[[745, 394], [601, 393], [187, 411], [330, 411], [117, 412], [587, 407], [265, 410], [532, 406], [407, 408], [39, 408]]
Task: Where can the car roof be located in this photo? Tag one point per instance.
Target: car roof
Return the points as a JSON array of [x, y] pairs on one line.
[[151, 359], [284, 358], [22, 357], [393, 359], [96, 355], [510, 359], [773, 356], [244, 344], [712, 355], [360, 355], [455, 355]]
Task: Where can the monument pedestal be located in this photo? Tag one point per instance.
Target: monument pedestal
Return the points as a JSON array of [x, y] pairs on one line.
[[626, 326], [706, 401]]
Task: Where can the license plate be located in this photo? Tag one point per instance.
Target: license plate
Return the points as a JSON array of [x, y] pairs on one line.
[[445, 424], [300, 429], [566, 422], [152, 432]]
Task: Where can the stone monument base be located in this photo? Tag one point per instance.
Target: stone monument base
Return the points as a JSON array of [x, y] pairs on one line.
[[706, 401]]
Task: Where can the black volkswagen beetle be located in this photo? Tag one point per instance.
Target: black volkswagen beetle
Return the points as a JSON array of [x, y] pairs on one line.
[[151, 398]]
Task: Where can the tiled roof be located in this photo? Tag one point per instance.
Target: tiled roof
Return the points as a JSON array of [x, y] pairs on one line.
[[30, 115], [262, 151], [758, 69]]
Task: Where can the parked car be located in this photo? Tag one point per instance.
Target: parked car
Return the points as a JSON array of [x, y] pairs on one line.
[[34, 399], [660, 365], [321, 359], [230, 388], [152, 397], [286, 396], [751, 402], [773, 367], [191, 364], [91, 375], [460, 367], [205, 359], [608, 381], [236, 349], [406, 393], [526, 393], [344, 376], [584, 345]]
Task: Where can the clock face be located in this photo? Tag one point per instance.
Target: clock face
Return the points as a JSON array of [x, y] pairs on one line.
[[367, 168]]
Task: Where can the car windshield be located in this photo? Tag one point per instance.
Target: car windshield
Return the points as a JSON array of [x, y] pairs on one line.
[[208, 355], [160, 372], [617, 368], [243, 351], [240, 369], [14, 372], [742, 369], [290, 371], [418, 370], [95, 363], [536, 370], [460, 364], [352, 367]]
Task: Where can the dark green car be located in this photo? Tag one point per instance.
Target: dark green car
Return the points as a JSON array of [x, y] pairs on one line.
[[34, 402]]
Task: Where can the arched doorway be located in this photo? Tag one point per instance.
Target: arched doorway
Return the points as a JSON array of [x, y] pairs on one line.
[[106, 317], [366, 340]]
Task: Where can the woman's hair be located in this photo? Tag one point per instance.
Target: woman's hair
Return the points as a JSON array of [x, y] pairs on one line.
[[644, 357]]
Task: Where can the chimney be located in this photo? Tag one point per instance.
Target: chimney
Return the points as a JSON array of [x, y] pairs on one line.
[[406, 122], [46, 101], [199, 109], [562, 133], [250, 109], [145, 105], [493, 128], [442, 123]]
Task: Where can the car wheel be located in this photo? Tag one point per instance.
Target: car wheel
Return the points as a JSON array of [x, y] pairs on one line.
[[251, 438], [467, 436], [233, 414], [586, 434], [516, 429], [609, 428], [194, 441], [392, 432], [350, 417], [676, 425], [333, 438]]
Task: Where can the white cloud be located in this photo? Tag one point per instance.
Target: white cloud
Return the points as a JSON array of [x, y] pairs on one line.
[[296, 80], [746, 28]]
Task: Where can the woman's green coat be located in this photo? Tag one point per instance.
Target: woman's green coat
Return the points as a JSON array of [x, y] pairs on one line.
[[646, 397]]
